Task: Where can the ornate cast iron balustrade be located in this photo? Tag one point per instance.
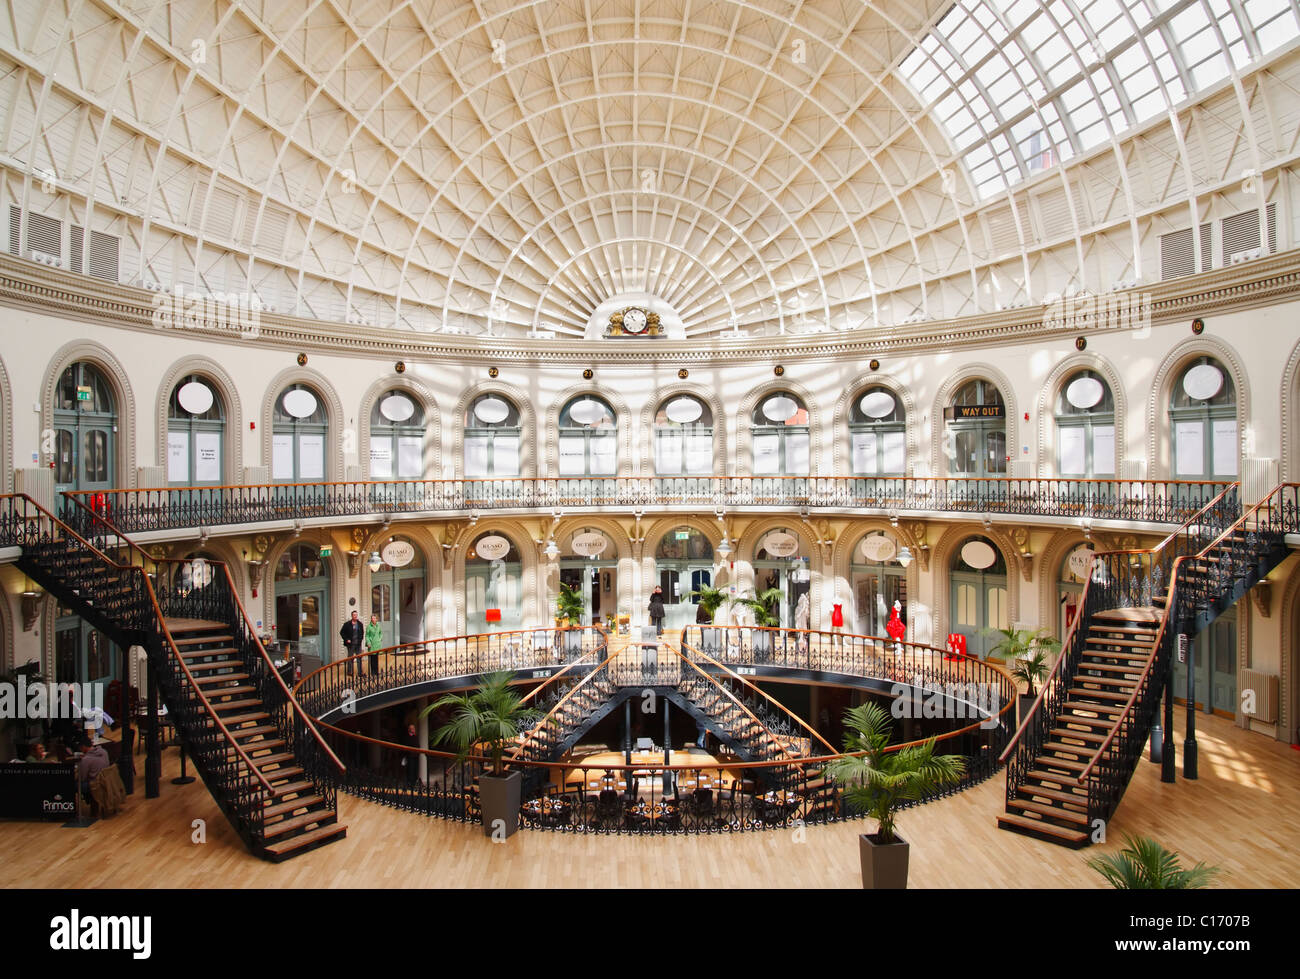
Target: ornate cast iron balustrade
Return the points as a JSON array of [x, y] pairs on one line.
[[173, 508]]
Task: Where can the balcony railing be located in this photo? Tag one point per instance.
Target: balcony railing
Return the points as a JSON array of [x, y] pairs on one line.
[[170, 508]]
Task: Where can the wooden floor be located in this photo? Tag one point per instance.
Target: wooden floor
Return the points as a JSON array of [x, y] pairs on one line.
[[1239, 815]]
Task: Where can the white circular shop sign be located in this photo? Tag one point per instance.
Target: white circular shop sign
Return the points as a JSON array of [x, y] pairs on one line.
[[1084, 392], [878, 548], [683, 411], [299, 403], [977, 554], [398, 553], [397, 408], [492, 410], [780, 544], [588, 412], [1203, 382], [877, 404], [590, 545], [196, 398], [1079, 561], [780, 408], [492, 547]]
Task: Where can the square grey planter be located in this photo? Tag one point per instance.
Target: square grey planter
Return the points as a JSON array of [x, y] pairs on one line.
[[884, 865], [500, 797]]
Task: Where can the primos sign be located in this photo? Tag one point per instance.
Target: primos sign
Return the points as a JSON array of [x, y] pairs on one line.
[[975, 411]]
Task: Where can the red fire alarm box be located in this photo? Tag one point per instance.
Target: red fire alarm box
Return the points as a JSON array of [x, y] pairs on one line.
[[492, 615]]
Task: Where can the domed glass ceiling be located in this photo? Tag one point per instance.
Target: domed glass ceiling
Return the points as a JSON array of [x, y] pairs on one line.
[[761, 167]]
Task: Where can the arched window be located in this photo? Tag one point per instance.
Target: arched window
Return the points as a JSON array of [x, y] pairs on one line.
[[196, 428], [396, 437], [878, 580], [1203, 422], [492, 438], [781, 435], [588, 437], [298, 436], [878, 433], [85, 417], [977, 430], [684, 437], [1085, 427]]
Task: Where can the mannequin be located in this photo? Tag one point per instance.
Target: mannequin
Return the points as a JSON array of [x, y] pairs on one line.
[[895, 627]]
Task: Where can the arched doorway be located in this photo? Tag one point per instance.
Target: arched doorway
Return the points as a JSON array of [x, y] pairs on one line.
[[85, 422], [976, 430], [493, 585], [589, 564], [878, 580], [781, 564], [196, 428], [979, 594], [397, 590], [1070, 580], [683, 564], [302, 593], [82, 654]]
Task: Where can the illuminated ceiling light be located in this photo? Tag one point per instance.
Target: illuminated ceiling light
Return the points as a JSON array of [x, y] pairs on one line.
[[904, 556]]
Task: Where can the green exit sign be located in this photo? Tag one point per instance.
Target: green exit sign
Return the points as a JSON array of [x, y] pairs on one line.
[[683, 535], [84, 394], [326, 551]]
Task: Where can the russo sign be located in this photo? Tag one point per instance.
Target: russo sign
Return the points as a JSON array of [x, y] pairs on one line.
[[492, 547], [400, 553]]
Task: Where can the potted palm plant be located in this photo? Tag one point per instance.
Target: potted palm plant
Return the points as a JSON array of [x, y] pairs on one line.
[[1143, 864], [569, 607], [492, 715], [765, 607], [710, 599], [878, 782], [1025, 651]]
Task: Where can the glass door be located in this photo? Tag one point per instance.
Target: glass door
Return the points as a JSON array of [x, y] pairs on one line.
[[979, 605], [1215, 650]]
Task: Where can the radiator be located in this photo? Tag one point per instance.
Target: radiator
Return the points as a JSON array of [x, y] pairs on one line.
[[1264, 688]]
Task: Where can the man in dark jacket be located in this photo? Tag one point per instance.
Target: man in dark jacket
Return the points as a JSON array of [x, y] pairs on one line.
[[354, 634], [657, 610]]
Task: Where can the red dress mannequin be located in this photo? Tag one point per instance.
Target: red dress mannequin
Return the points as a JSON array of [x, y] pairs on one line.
[[895, 627], [837, 616]]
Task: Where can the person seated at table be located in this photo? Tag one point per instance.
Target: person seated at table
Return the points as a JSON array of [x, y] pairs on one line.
[[94, 759], [36, 753]]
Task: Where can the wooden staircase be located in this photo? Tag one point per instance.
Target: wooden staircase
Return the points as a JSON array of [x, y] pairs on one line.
[[291, 813], [258, 753], [1049, 804], [1075, 754]]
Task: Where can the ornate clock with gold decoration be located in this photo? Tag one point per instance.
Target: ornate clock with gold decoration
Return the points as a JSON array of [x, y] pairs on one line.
[[633, 322]]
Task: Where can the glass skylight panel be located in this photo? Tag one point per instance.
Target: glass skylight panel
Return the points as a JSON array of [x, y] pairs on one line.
[[1019, 50]]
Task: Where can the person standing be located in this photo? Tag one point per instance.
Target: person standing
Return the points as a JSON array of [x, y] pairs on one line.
[[374, 640], [657, 610], [353, 635]]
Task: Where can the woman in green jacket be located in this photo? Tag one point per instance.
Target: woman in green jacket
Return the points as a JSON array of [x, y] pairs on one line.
[[374, 639]]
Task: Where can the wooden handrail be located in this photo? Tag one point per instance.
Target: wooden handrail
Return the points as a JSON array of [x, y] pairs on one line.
[[528, 735], [736, 676], [579, 661], [737, 701]]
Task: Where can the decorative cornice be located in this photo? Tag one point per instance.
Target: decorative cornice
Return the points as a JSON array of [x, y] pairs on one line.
[[1263, 282]]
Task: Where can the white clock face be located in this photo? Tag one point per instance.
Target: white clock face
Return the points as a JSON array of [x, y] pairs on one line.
[[634, 320]]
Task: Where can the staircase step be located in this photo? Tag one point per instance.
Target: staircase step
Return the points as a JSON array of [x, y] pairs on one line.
[[1057, 795], [1053, 812], [1135, 667], [279, 758], [1131, 643], [1113, 682], [263, 746], [295, 844], [284, 808], [290, 788], [1059, 777], [188, 654], [1108, 711], [1137, 614], [222, 705], [1126, 630], [322, 816], [1087, 736], [252, 732], [282, 774], [1052, 761], [215, 691], [1119, 698], [1075, 839], [221, 664], [1081, 750], [195, 640]]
